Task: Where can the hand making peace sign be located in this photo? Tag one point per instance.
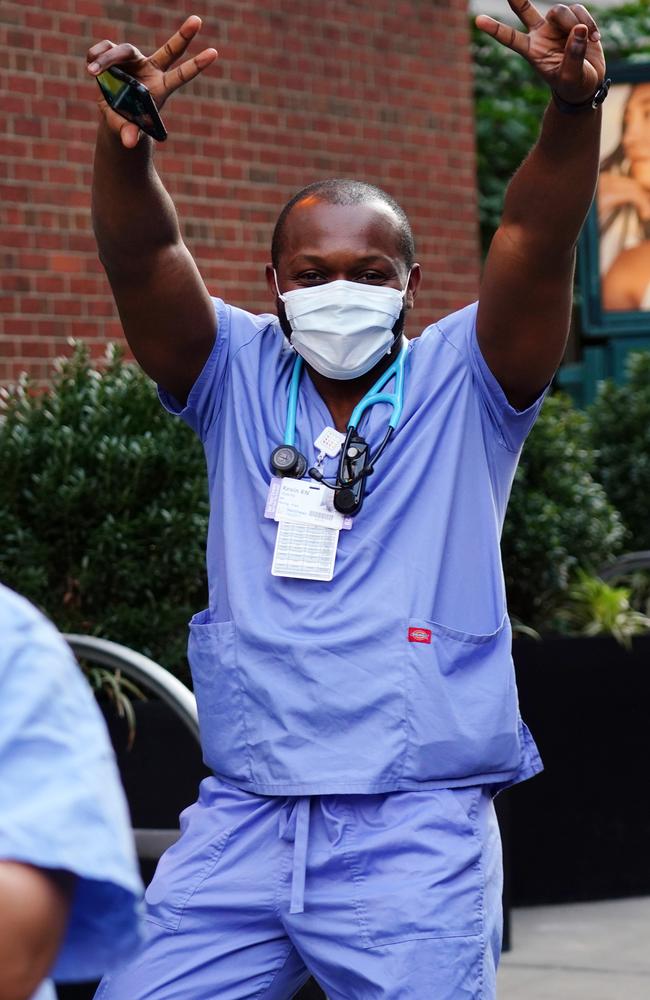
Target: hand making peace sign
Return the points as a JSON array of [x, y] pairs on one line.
[[153, 71], [564, 46]]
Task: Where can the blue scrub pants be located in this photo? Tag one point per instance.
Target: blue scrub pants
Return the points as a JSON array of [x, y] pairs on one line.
[[377, 896]]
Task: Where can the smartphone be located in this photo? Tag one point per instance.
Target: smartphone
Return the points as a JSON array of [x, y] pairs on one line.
[[131, 99]]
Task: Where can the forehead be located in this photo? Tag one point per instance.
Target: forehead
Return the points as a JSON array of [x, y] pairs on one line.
[[319, 228]]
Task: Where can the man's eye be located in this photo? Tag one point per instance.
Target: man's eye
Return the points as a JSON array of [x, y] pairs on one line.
[[310, 277], [371, 276]]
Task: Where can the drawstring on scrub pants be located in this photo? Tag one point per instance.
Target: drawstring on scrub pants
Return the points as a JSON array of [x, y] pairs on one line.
[[294, 828]]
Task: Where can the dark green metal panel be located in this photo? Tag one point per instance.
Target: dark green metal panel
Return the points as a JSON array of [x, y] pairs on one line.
[[599, 361]]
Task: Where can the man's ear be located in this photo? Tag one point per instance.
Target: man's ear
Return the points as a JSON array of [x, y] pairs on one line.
[[270, 282], [415, 278]]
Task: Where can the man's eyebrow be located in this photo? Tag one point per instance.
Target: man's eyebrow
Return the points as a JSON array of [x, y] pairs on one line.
[[358, 262]]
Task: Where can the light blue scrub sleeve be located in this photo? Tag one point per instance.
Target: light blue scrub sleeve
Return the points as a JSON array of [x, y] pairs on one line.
[[61, 801], [204, 401], [236, 328], [504, 428], [513, 425]]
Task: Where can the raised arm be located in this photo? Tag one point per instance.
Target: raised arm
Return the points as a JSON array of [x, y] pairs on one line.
[[163, 303], [526, 290]]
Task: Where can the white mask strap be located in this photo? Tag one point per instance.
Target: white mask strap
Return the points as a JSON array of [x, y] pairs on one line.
[[277, 287]]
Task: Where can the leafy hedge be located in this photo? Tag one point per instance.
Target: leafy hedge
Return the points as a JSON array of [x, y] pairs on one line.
[[103, 507], [509, 101], [620, 433], [559, 519]]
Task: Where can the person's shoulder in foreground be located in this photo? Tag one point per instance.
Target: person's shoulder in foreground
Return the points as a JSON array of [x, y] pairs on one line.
[[69, 887]]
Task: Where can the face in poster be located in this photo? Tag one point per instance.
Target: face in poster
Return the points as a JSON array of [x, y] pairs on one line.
[[623, 199]]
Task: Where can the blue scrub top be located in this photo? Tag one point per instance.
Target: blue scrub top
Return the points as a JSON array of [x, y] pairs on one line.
[[61, 801], [397, 674]]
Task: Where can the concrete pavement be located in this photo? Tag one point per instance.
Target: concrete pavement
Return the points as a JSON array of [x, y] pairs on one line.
[[599, 951]]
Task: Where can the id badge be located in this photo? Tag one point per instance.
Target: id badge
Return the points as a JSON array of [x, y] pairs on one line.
[[304, 552], [308, 529]]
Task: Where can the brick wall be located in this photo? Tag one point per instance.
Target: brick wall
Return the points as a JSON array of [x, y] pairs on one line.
[[376, 89]]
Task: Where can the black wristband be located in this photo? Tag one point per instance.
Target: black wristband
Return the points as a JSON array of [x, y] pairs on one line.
[[567, 108]]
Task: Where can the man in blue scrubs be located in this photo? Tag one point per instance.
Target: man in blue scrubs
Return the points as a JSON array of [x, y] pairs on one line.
[[69, 885], [353, 670]]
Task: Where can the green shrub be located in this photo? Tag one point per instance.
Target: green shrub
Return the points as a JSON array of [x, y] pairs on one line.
[[594, 607], [559, 519], [620, 433], [509, 100], [103, 506]]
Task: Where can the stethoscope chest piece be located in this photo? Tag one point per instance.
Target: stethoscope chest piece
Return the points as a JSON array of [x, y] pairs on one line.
[[288, 461]]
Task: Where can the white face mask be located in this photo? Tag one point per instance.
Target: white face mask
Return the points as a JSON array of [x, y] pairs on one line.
[[343, 328]]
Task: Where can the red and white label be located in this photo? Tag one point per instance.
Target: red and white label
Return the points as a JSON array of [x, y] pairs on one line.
[[419, 635]]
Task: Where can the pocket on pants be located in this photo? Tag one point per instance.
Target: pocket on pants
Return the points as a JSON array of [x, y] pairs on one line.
[[415, 860], [184, 867]]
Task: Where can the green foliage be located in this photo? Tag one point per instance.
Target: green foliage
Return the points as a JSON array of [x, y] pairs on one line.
[[103, 506], [559, 519], [620, 431], [626, 31], [637, 583], [593, 607], [510, 100], [118, 691]]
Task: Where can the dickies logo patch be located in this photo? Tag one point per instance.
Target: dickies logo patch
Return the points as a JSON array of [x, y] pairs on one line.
[[419, 635]]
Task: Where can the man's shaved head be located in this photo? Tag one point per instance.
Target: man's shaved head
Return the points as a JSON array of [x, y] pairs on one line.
[[342, 191]]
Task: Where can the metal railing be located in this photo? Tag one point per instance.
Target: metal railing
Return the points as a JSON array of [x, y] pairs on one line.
[[628, 563], [150, 843]]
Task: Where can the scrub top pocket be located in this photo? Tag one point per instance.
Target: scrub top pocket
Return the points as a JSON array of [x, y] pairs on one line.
[[342, 703], [212, 654], [463, 713], [334, 707]]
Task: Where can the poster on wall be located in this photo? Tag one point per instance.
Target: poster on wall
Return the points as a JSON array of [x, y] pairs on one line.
[[615, 245]]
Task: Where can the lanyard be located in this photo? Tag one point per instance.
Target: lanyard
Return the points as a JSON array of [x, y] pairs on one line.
[[395, 399], [355, 463]]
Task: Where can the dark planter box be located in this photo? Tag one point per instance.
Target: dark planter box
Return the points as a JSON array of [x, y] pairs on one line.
[[581, 829], [162, 770]]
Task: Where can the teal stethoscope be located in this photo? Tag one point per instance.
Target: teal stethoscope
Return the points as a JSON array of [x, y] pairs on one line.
[[355, 462]]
